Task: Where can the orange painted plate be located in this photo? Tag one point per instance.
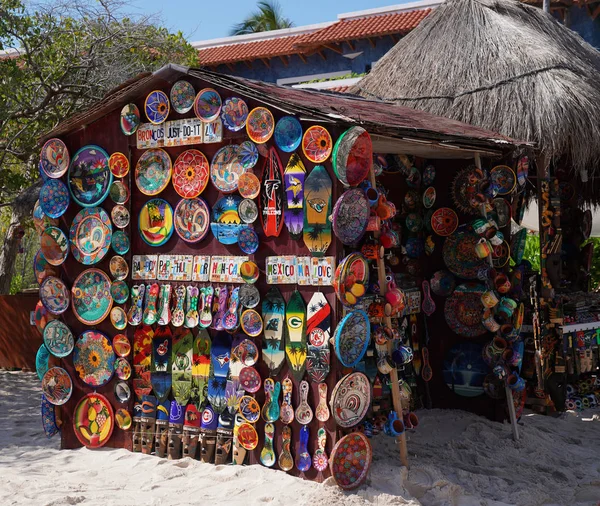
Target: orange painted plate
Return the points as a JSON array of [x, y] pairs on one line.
[[118, 164], [249, 185], [260, 125], [317, 144], [93, 420]]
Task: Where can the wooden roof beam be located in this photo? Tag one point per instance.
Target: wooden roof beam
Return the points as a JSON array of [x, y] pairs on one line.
[[248, 64], [266, 62], [333, 48], [230, 66], [350, 45], [284, 60], [596, 13], [372, 42], [321, 54], [302, 57], [394, 38]]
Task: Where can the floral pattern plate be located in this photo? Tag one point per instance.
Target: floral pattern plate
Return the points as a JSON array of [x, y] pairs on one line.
[[444, 221], [54, 295], [58, 338], [182, 96], [120, 242], [91, 300], [248, 240], [118, 268], [57, 386], [225, 169], [249, 185], [89, 176], [460, 257], [157, 107], [350, 399], [54, 198], [93, 420], [234, 113], [118, 164], [317, 144], [288, 134], [90, 235], [260, 125], [119, 291], [156, 222], [54, 158], [130, 119], [94, 358], [207, 105], [54, 245], [153, 171], [248, 154], [192, 219], [190, 173]]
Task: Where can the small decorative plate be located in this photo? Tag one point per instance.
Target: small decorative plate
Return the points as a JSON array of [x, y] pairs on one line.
[[90, 295], [90, 235], [41, 361], [120, 242], [288, 134], [123, 419], [350, 216], [504, 179], [225, 168], [248, 154], [234, 113], [225, 221], [157, 107], [54, 245], [54, 295], [317, 144], [123, 392], [58, 338], [350, 460], [249, 296], [118, 267], [156, 222], [248, 240], [249, 185], [118, 164], [40, 220], [442, 283], [503, 212], [463, 310], [260, 125], [42, 268], [353, 156], [350, 399], [460, 257], [352, 337], [122, 369], [192, 219], [249, 409], [250, 380], [54, 198], [121, 345], [89, 176], [246, 352], [444, 221], [93, 420], [248, 211], [351, 279], [119, 291], [190, 173], [414, 222], [153, 171], [119, 192], [428, 175], [252, 323], [57, 386], [54, 158], [120, 216], [130, 119], [94, 358], [41, 317], [182, 96], [429, 197], [207, 105], [249, 272], [247, 436]]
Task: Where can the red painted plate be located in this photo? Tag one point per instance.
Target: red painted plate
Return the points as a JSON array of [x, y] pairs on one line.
[[190, 173], [93, 420], [317, 144], [118, 164], [444, 221]]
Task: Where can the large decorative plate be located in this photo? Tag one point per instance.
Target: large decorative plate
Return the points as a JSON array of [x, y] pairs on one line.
[[119, 192], [234, 113], [54, 245], [156, 222], [460, 257], [351, 399], [225, 221], [463, 310], [94, 358], [118, 164], [157, 107], [41, 361], [249, 185], [317, 144], [352, 337], [90, 235], [248, 211], [350, 216], [248, 240], [444, 221], [351, 279], [260, 125], [120, 216], [465, 370], [93, 420], [118, 267], [89, 176], [225, 169], [54, 294], [182, 96], [192, 219], [190, 173], [49, 418], [288, 134], [130, 119], [54, 198], [353, 156], [350, 460], [54, 158], [40, 220], [153, 171], [464, 189], [504, 179], [42, 268], [120, 242], [58, 338], [90, 295], [207, 105], [248, 154], [57, 386]]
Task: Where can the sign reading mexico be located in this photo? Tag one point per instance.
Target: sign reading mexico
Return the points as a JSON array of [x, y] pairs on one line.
[[303, 271]]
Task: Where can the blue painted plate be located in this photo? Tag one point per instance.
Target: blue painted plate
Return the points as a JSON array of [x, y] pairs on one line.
[[234, 114], [288, 134], [157, 107], [54, 198], [352, 336], [90, 176], [120, 242], [248, 240]]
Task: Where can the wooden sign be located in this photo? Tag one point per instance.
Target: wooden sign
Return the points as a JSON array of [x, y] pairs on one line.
[[225, 269], [175, 267], [179, 132], [201, 268], [281, 270], [144, 266]]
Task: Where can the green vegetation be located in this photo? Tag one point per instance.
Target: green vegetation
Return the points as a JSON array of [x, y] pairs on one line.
[[268, 17]]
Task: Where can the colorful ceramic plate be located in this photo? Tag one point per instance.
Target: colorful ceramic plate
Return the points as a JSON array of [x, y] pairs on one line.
[[428, 175], [252, 323], [54, 294], [123, 392], [119, 192], [442, 283], [317, 144], [353, 156], [119, 291], [54, 245], [247, 437], [248, 154], [351, 399], [414, 222], [504, 179], [190, 173], [248, 185], [234, 113], [249, 296], [157, 107], [118, 318], [40, 220], [94, 358], [156, 222], [352, 337], [41, 317], [444, 221], [207, 105], [120, 216], [260, 125], [90, 295], [57, 386], [54, 198], [120, 242], [58, 338], [249, 272], [246, 352], [350, 216], [93, 420], [225, 169], [118, 267], [54, 158], [350, 461], [460, 257], [503, 212], [130, 119], [42, 268], [248, 240], [429, 196], [250, 380], [118, 164], [89, 176], [465, 188], [182, 96], [153, 171], [225, 221], [248, 211], [192, 219], [90, 235], [122, 416], [463, 310], [122, 369], [249, 409], [41, 361], [464, 369], [351, 279], [288, 134], [121, 345]]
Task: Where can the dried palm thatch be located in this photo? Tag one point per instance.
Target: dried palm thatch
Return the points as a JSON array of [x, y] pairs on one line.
[[504, 66]]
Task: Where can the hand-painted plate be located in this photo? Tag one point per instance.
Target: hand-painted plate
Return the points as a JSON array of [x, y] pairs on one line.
[[249, 296], [120, 242], [42, 268], [351, 279], [247, 436], [130, 119], [182, 96], [90, 235], [156, 222], [463, 310], [248, 240], [504, 179], [249, 272], [442, 283], [48, 418], [207, 105], [248, 185], [353, 156], [54, 158], [246, 352], [89, 176], [250, 380], [260, 125], [121, 345], [41, 317], [503, 212], [225, 221], [429, 197], [40, 220], [153, 171], [428, 175], [94, 358], [122, 369], [54, 198], [249, 409], [460, 257], [192, 219], [190, 173], [57, 386], [234, 113], [351, 399], [93, 420], [444, 221], [120, 216], [157, 107], [119, 291], [248, 154], [118, 164], [350, 460], [90, 295], [54, 245], [288, 134], [123, 392], [350, 216], [248, 211], [54, 294], [58, 338], [352, 337], [225, 169], [41, 361], [252, 323], [123, 419], [317, 144], [119, 192], [118, 267], [464, 369]]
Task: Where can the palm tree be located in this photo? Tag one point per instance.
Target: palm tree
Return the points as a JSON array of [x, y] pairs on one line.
[[268, 17]]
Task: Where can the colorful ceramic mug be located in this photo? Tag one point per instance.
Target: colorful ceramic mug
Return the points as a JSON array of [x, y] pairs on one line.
[[489, 322], [483, 248], [374, 223], [502, 283], [489, 299], [497, 239], [516, 383]]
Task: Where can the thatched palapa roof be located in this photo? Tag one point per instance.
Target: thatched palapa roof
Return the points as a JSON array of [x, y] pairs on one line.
[[501, 65]]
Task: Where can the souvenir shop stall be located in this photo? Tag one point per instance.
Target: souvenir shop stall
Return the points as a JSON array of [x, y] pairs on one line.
[[243, 273]]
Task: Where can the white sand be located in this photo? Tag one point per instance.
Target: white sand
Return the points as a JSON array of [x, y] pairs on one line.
[[457, 459]]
